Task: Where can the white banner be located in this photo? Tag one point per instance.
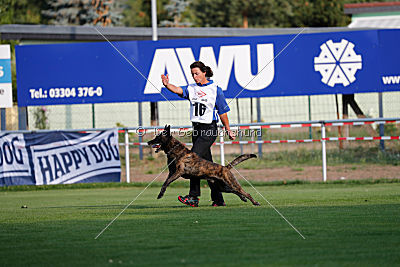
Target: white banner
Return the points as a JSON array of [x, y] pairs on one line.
[[14, 158], [59, 158], [5, 77], [73, 160]]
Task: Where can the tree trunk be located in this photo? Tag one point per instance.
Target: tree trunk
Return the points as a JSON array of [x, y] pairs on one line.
[[245, 20]]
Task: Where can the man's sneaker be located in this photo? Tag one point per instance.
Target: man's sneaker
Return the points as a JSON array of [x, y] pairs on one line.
[[218, 204], [189, 200]]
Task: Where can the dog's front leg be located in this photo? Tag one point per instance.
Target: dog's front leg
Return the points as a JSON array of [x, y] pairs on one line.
[[167, 182]]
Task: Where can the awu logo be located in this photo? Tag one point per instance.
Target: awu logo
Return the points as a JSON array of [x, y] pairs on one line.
[[338, 63], [176, 62]]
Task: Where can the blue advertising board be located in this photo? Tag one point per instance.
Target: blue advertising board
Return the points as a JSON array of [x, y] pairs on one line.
[[128, 71]]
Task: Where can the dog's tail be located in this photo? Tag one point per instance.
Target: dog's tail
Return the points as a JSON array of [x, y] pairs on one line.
[[239, 159]]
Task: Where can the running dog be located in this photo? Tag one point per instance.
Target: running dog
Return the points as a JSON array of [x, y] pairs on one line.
[[185, 163]]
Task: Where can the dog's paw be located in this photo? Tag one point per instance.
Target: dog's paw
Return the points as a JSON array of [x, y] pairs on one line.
[[160, 196], [256, 204]]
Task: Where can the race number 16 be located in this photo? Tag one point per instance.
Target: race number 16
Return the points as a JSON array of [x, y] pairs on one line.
[[199, 109]]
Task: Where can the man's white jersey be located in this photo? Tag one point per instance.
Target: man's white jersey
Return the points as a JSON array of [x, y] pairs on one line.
[[206, 100], [202, 102]]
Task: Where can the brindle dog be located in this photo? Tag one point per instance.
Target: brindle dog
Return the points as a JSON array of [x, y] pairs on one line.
[[187, 163]]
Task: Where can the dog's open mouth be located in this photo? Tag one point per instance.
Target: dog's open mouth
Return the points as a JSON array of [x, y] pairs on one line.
[[157, 147]]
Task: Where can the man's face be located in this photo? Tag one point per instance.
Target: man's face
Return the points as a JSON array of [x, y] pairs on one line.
[[198, 75]]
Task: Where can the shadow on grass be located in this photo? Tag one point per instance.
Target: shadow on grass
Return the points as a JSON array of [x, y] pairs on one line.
[[132, 206]]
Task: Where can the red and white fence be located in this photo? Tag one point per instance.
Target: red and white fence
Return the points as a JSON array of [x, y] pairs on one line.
[[141, 131]]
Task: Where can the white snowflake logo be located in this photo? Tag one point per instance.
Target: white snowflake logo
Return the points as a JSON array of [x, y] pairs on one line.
[[337, 63]]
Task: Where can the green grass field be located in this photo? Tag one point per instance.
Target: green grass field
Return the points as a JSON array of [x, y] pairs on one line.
[[344, 224]]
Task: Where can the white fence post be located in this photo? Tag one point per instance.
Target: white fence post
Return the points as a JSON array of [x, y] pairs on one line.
[[128, 177], [221, 146], [323, 141]]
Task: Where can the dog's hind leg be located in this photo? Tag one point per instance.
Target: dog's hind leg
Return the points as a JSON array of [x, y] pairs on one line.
[[248, 196], [239, 191], [242, 197], [168, 181], [255, 203]]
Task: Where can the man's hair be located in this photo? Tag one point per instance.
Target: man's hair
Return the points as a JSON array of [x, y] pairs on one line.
[[203, 68]]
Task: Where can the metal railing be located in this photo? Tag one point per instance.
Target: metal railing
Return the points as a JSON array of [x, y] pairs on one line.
[[296, 124]]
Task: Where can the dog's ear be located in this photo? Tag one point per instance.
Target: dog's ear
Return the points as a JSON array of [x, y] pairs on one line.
[[169, 129], [165, 131]]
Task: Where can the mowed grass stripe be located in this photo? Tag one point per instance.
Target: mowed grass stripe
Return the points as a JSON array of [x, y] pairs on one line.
[[343, 224]]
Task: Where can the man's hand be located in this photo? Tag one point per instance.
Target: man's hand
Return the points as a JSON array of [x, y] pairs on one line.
[[174, 89], [231, 134], [165, 80]]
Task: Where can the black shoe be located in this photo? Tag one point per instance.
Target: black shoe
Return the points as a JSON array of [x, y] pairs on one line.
[[189, 200], [218, 204]]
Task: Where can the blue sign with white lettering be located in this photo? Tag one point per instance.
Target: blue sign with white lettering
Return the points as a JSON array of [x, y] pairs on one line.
[[259, 66]]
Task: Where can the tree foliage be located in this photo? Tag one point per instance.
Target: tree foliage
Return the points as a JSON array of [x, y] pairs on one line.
[[366, 1], [240, 13], [201, 13], [137, 13], [22, 11], [319, 13], [269, 13], [176, 10], [83, 12], [236, 13]]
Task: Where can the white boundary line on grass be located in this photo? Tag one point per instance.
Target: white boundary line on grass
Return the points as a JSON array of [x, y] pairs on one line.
[[269, 203], [105, 228]]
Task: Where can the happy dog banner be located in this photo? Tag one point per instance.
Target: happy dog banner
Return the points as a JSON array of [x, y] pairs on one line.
[[59, 158]]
